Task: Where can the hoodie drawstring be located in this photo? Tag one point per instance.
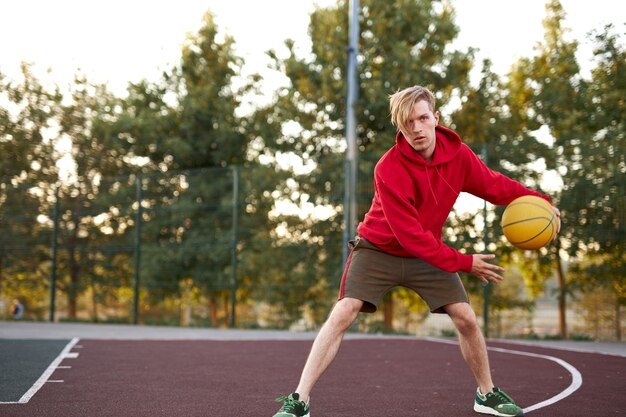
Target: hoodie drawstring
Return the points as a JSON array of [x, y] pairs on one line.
[[444, 180], [430, 186]]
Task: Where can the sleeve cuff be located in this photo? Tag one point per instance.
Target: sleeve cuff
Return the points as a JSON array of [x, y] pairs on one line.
[[466, 263]]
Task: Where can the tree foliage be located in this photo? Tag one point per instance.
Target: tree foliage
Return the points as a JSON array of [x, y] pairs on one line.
[[27, 163], [594, 190], [178, 166], [395, 51]]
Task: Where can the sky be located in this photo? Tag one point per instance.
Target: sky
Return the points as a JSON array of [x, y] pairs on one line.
[[119, 41]]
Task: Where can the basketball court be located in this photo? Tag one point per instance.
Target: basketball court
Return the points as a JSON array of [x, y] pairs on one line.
[[122, 370]]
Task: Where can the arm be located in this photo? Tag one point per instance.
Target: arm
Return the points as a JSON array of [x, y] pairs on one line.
[[405, 223], [498, 189], [491, 185]]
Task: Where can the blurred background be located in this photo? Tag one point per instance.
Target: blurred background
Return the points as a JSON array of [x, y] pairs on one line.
[[184, 164]]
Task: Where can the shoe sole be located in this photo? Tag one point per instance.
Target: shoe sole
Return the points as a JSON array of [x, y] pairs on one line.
[[488, 410]]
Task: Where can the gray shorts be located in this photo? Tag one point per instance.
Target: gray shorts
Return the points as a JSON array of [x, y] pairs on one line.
[[370, 273]]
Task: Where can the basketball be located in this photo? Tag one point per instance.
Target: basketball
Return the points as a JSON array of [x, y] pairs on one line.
[[529, 222]]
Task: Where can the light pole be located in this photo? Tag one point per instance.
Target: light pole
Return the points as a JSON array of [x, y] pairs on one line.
[[351, 164]]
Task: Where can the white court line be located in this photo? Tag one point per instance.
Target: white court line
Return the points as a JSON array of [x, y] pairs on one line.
[[577, 379], [65, 353]]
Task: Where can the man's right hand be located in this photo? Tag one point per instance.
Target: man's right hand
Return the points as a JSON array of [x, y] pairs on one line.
[[484, 270]]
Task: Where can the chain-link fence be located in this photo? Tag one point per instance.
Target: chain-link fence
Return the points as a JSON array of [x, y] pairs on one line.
[[212, 247], [192, 247]]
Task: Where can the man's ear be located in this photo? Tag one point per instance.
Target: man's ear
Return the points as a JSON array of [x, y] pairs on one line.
[[437, 117]]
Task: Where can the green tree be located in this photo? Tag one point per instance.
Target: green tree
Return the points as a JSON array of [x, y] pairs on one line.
[[27, 115], [189, 129], [489, 122], [94, 199], [551, 85], [401, 43], [594, 190]]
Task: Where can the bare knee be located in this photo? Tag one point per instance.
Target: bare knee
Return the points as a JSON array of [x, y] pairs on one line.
[[464, 318], [344, 313]]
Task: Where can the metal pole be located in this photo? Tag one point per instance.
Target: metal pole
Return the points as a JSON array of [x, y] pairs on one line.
[[346, 208], [138, 221], [233, 248], [55, 251], [487, 287], [351, 167]]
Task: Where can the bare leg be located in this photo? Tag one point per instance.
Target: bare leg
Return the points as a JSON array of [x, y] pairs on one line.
[[326, 344], [472, 343]]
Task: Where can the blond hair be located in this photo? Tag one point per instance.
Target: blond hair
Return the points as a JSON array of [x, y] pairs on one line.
[[401, 104]]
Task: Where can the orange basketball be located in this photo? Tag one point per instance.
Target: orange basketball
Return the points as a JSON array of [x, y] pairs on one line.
[[529, 222]]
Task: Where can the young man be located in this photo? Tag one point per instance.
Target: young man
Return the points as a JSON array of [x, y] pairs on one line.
[[399, 243]]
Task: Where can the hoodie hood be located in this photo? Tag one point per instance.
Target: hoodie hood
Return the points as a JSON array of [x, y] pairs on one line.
[[447, 145]]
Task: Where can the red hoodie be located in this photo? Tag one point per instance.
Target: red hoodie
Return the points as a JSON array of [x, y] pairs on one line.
[[413, 198]]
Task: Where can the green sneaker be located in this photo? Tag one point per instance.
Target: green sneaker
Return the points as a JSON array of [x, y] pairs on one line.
[[292, 406], [496, 403]]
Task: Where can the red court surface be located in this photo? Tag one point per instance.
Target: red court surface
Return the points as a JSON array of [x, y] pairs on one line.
[[370, 378]]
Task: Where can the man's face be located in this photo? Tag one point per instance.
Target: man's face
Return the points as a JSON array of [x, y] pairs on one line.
[[421, 129]]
